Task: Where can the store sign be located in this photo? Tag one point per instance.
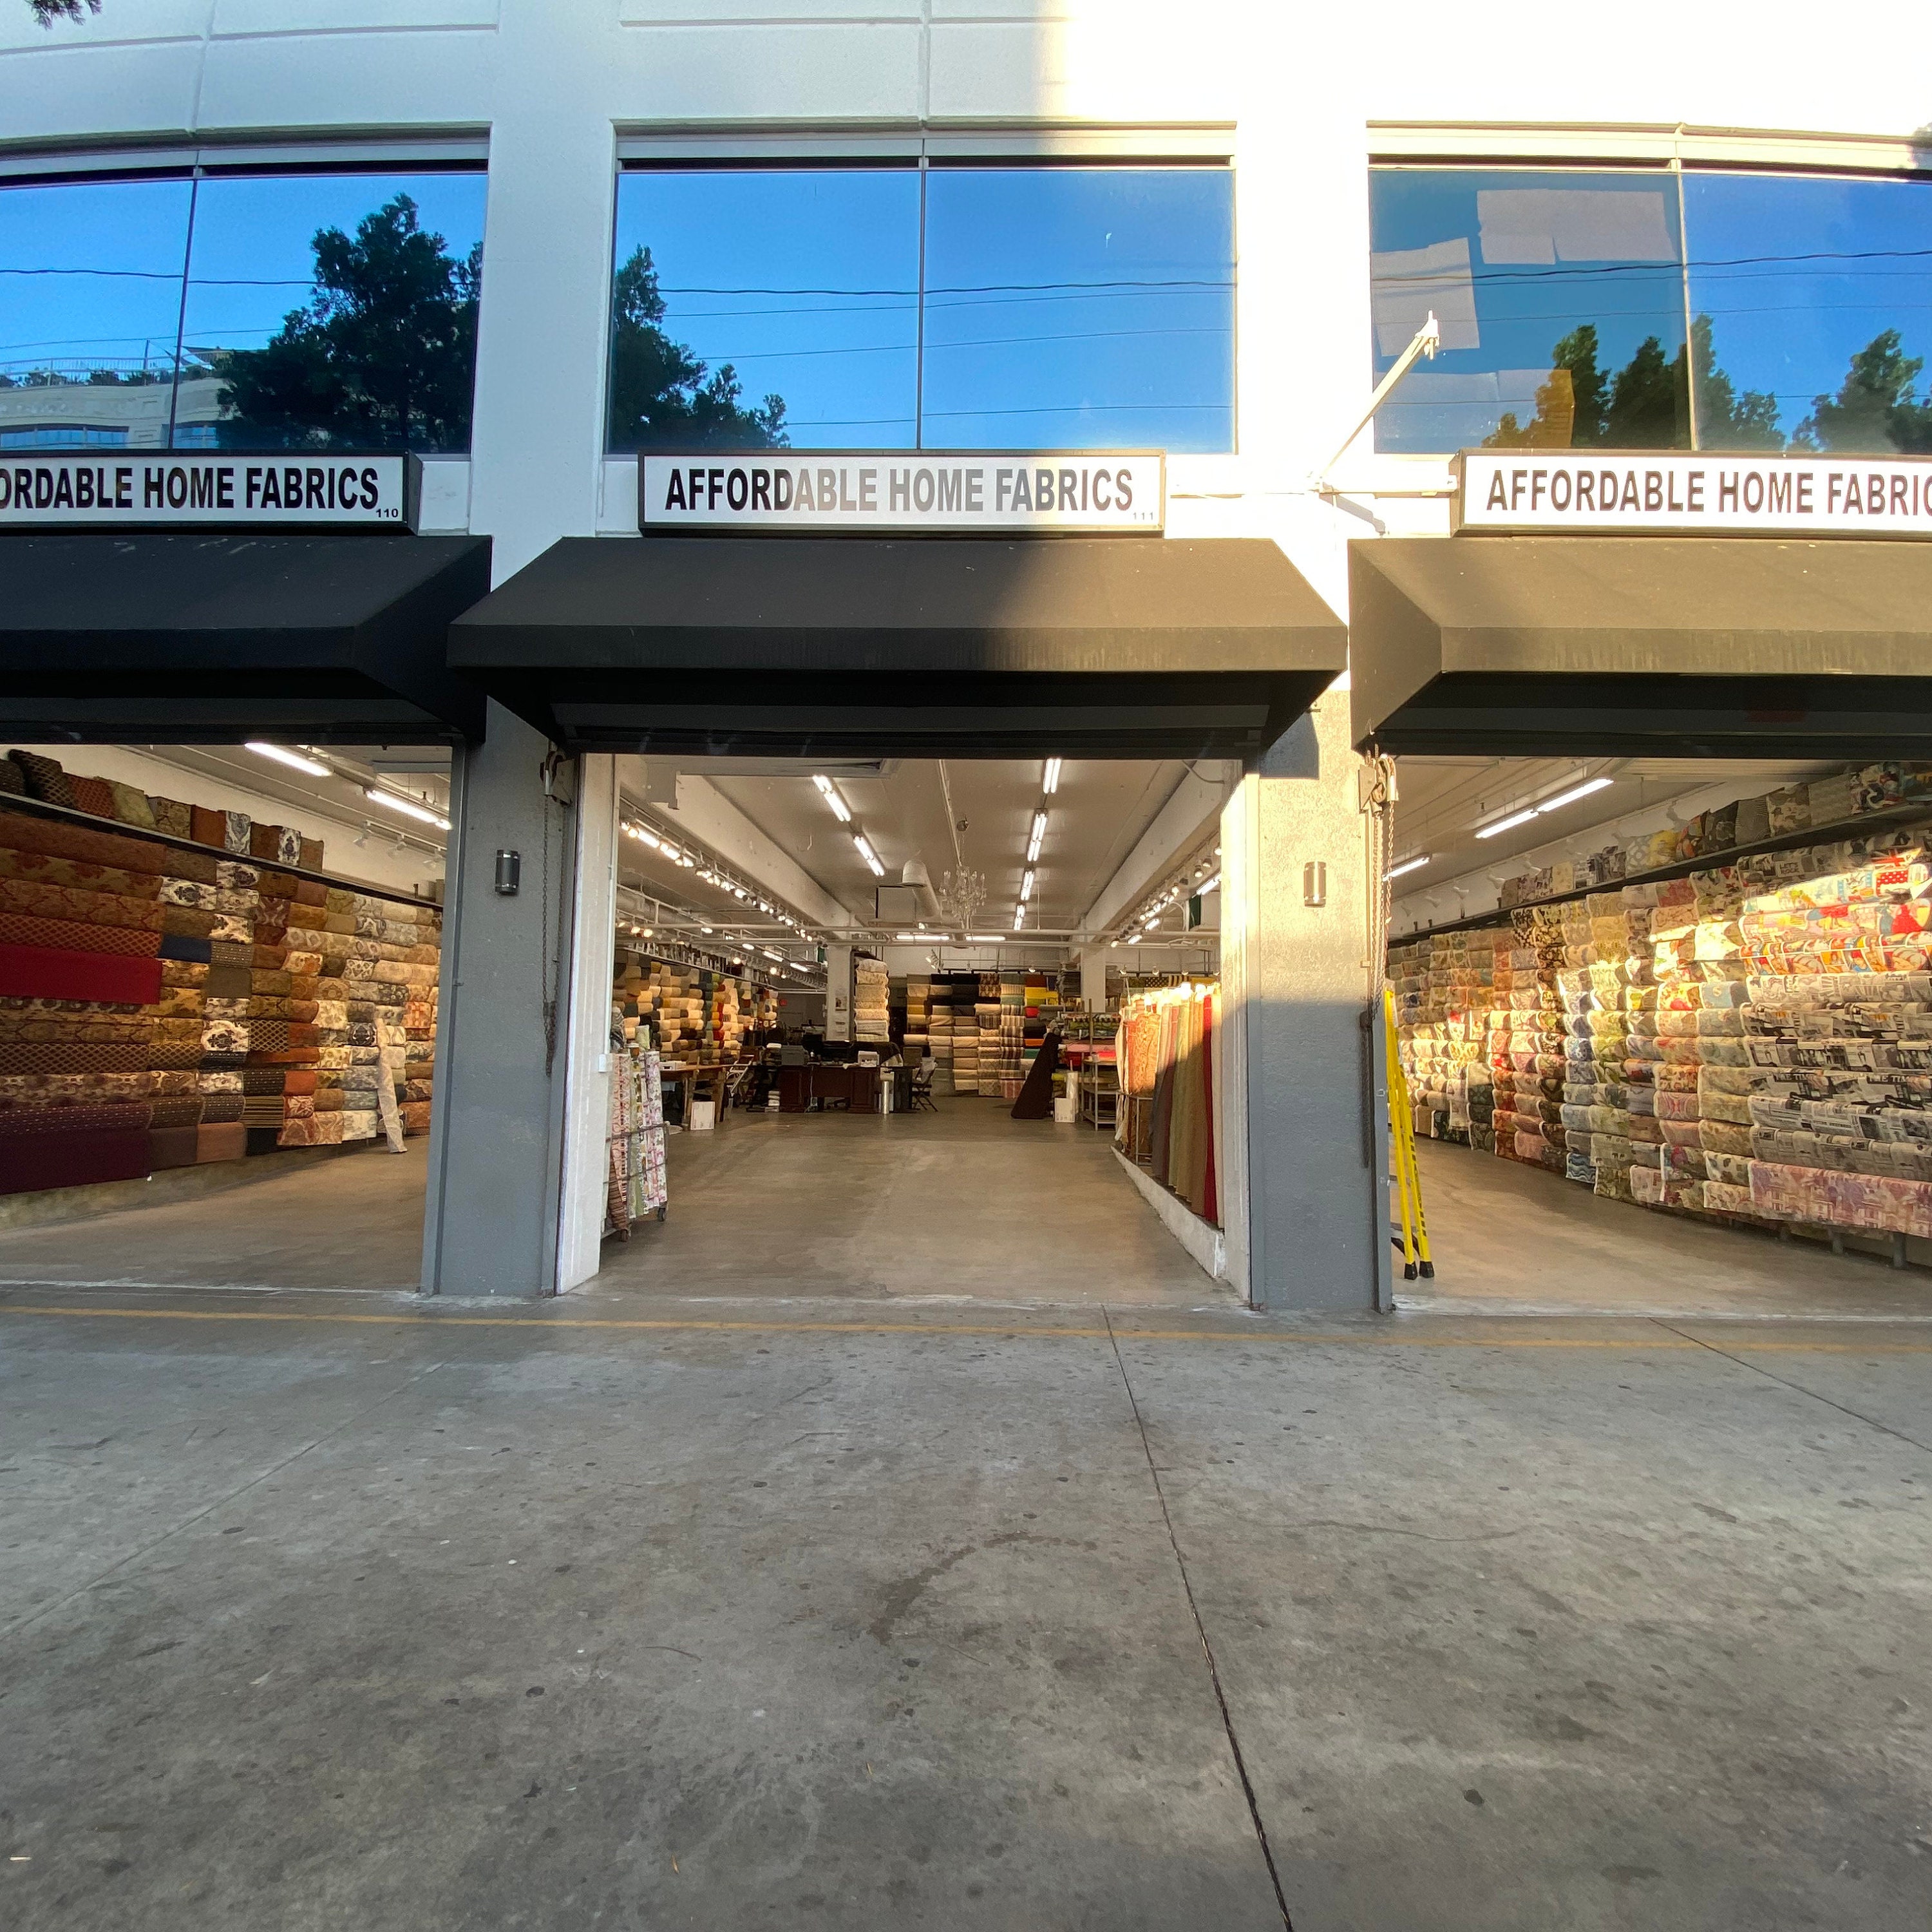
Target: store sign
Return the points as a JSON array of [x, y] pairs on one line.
[[1018, 492], [143, 491], [1691, 493]]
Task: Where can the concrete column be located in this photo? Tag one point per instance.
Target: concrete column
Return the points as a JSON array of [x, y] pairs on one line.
[[1299, 1190], [839, 992], [491, 1222]]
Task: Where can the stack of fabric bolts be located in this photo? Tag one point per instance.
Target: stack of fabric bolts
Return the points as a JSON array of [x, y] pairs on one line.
[[871, 1007], [986, 1013], [163, 1005], [918, 1016]]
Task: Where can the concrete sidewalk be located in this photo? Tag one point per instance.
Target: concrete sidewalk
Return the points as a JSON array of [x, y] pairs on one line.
[[334, 1611]]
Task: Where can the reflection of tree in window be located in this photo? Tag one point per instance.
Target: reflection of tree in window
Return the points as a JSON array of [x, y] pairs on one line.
[[1877, 408], [663, 397], [383, 356], [1645, 405]]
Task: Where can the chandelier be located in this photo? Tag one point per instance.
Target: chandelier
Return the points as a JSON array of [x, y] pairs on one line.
[[961, 896]]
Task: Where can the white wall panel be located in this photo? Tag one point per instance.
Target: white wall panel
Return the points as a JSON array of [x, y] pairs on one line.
[[400, 79], [711, 13], [780, 73], [51, 92], [117, 27], [1131, 61], [336, 17]]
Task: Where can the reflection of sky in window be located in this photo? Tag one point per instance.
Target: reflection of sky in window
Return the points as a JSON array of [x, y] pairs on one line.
[[1798, 274], [1080, 307], [254, 257], [91, 275], [1511, 263], [805, 281]]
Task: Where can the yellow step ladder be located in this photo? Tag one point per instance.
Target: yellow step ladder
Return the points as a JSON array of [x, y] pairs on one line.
[[1415, 1240]]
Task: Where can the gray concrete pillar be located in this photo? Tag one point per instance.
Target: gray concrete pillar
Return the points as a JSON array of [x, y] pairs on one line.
[[490, 1221], [1300, 1192]]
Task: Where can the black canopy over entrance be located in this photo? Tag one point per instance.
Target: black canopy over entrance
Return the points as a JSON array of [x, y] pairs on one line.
[[1682, 646], [214, 639], [842, 646]]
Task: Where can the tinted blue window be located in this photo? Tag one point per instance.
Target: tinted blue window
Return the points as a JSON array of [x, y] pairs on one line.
[[90, 302], [1813, 300], [332, 311], [244, 312], [1560, 294], [752, 307], [1080, 307], [1064, 306]]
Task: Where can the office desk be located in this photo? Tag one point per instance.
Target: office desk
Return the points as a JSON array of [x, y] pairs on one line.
[[857, 1087]]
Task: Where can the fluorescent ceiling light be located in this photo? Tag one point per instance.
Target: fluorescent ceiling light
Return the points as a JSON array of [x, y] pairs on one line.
[[664, 846], [983, 938], [1207, 886], [1508, 824], [407, 806], [1414, 865], [1575, 792], [907, 935], [770, 955], [841, 810], [1050, 784], [649, 837], [1026, 885], [866, 852], [314, 767]]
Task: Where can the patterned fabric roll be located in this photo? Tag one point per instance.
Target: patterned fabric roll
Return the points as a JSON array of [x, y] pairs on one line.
[[106, 1118], [175, 1110], [72, 936], [236, 827], [48, 869], [222, 1108]]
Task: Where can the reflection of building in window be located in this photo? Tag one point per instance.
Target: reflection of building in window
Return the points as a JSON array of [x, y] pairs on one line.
[[84, 412]]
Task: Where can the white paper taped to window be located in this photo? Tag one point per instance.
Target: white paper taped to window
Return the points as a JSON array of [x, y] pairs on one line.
[[1531, 225], [1406, 284]]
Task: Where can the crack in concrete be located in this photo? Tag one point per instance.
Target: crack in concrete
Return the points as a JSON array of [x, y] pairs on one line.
[[1784, 1382], [1201, 1631]]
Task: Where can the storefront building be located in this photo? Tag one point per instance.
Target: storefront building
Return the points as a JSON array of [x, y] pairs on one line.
[[706, 334]]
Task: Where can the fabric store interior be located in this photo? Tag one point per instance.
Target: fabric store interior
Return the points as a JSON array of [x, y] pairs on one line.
[[1670, 1020], [895, 1055], [218, 968], [876, 1026]]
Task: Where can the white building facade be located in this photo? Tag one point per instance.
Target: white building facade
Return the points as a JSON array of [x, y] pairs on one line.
[[546, 108]]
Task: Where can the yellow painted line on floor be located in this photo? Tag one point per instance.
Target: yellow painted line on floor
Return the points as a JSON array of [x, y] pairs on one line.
[[1009, 1331]]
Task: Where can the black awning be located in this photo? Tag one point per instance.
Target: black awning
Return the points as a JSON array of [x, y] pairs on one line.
[[1681, 647], [844, 646], [214, 639]]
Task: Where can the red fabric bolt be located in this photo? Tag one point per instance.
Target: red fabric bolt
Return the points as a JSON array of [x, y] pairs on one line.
[[44, 973], [28, 1164]]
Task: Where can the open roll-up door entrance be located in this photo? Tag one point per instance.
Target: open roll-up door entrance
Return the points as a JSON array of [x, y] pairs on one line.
[[1102, 646], [1719, 647], [336, 638]]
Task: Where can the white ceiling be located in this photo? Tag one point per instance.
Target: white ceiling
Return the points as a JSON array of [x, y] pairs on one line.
[[1442, 800], [1099, 810]]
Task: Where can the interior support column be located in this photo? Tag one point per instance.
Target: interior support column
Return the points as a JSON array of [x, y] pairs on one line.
[[1298, 1193], [490, 1221], [586, 1106]]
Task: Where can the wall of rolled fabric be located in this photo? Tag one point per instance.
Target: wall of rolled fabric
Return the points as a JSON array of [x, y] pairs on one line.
[[1167, 1120], [1751, 1043], [165, 1004]]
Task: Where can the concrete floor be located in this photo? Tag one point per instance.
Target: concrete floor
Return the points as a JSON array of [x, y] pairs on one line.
[[319, 1612], [1509, 1239], [965, 1202], [352, 1220]]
